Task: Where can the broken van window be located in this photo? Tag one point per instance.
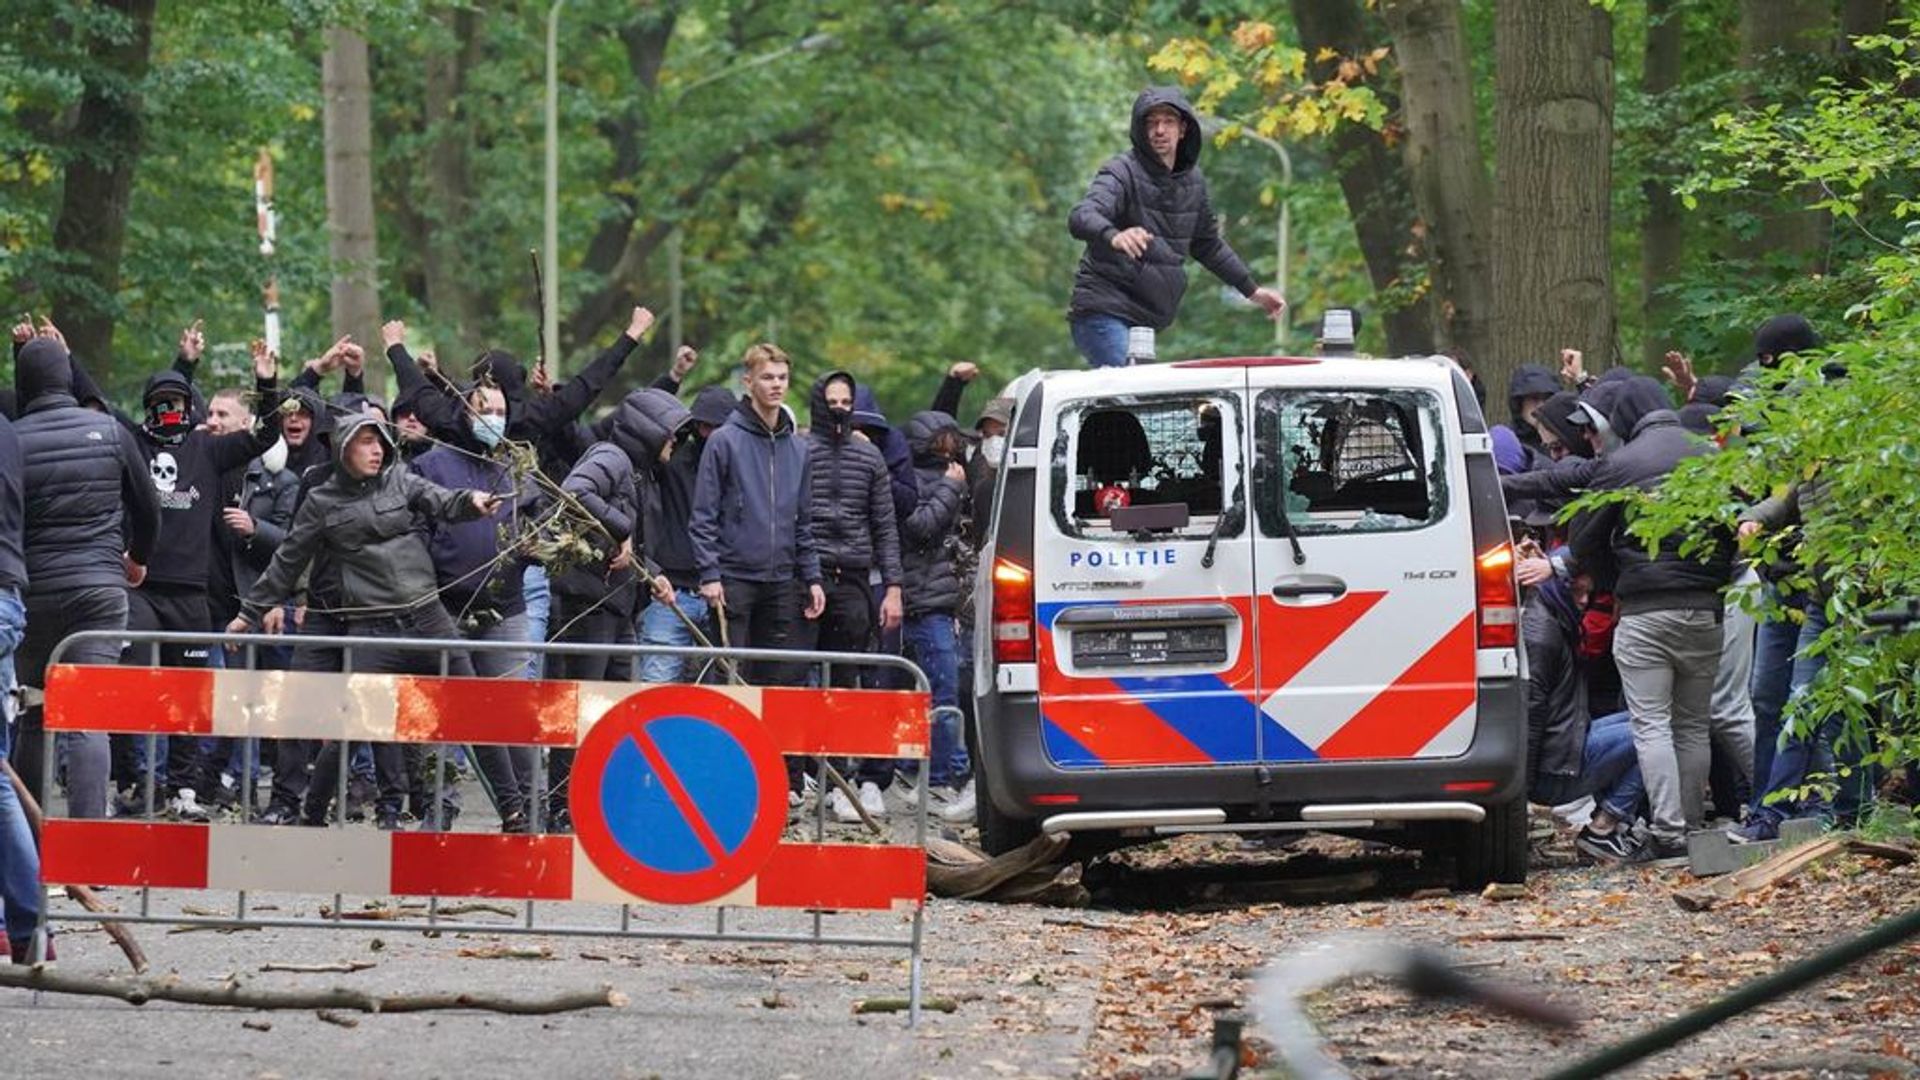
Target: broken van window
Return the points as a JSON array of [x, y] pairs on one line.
[[1140, 451], [1347, 461]]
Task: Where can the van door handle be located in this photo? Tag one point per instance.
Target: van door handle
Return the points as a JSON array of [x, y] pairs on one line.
[[1295, 590]]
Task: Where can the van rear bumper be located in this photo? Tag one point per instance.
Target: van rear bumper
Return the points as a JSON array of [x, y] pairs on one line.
[[1024, 783]]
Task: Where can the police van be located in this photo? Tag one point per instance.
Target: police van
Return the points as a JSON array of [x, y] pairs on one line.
[[1246, 595]]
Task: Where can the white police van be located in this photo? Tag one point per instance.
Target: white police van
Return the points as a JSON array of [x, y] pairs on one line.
[[1253, 594]]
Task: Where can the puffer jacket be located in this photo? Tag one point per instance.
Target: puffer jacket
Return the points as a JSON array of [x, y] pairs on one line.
[[1134, 189], [930, 535], [88, 492], [1557, 709], [602, 483], [854, 523], [647, 423], [1601, 543], [368, 526]]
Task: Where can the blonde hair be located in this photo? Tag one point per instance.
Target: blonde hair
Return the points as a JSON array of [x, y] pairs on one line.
[[764, 353]]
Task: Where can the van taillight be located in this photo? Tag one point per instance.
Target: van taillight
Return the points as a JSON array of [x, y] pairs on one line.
[[1498, 597], [1012, 613]]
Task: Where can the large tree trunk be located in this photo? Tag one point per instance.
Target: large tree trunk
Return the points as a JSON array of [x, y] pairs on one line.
[[1770, 28], [1552, 270], [1449, 175], [449, 192], [350, 228], [1663, 230], [90, 230], [1371, 177]]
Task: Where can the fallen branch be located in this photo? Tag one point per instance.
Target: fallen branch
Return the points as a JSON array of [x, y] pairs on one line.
[[1782, 866], [382, 914], [337, 1019], [452, 910], [1511, 935], [507, 952], [243, 996], [1084, 924], [894, 1005], [346, 967]]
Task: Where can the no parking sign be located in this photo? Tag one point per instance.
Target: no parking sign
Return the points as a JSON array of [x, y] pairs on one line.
[[679, 794]]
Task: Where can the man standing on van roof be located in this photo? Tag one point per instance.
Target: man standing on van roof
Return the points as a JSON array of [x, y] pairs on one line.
[[1145, 212]]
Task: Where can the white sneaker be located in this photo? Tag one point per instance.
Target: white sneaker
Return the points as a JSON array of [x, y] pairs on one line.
[[962, 807], [186, 807], [842, 807], [872, 801]]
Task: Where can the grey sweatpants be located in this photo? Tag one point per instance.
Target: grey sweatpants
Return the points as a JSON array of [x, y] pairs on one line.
[[1668, 661], [1732, 686]]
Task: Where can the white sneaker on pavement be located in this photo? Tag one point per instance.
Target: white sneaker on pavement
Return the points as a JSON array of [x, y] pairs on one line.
[[962, 807], [872, 801], [842, 807]]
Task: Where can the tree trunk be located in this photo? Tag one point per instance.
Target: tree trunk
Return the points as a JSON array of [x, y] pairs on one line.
[[1449, 175], [348, 132], [1863, 17], [1663, 230], [448, 191], [90, 229], [1788, 27], [1371, 177], [1552, 271]]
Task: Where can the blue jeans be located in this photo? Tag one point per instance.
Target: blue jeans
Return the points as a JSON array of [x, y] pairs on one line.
[[1774, 644], [660, 626], [20, 887], [1800, 754], [1102, 339], [534, 586], [930, 643], [1609, 771]]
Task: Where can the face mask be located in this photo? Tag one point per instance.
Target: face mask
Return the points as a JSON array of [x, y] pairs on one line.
[[488, 430], [167, 422], [992, 447], [275, 458], [840, 417]]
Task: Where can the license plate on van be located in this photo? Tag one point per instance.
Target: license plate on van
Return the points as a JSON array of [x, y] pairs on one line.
[[1169, 645]]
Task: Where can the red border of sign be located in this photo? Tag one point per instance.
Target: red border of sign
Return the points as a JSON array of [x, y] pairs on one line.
[[638, 710]]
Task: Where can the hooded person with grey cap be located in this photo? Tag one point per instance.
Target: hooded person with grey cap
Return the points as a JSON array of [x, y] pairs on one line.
[[1668, 641], [1145, 213], [364, 517]]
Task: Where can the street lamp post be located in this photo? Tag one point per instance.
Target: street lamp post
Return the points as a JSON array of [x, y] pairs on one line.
[[550, 254], [1283, 227]]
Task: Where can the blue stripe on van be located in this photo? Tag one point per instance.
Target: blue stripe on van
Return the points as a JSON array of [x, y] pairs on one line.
[[1279, 744], [1202, 708], [1064, 750]]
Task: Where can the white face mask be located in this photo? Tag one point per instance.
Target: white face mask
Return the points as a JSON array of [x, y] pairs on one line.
[[489, 429], [992, 447], [275, 458]]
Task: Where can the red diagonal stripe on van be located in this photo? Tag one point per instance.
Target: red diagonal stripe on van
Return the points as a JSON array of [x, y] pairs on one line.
[[1291, 637], [1118, 729], [1424, 699]]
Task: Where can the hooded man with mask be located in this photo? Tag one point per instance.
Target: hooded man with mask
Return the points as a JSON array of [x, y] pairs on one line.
[[929, 539], [1146, 211], [366, 517], [669, 554], [91, 519], [1668, 640], [1530, 387], [187, 465]]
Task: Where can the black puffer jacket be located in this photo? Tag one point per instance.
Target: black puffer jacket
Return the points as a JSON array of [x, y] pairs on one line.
[[1134, 188], [928, 535], [368, 526], [602, 482], [1619, 561], [88, 493], [647, 422], [854, 526]]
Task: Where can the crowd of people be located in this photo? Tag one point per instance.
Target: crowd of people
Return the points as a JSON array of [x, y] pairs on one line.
[[1653, 687], [492, 506]]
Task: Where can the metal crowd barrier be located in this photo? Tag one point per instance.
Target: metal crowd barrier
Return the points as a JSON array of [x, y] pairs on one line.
[[678, 791]]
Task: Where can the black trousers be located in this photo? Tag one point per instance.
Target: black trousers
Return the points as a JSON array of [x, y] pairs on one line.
[[766, 615], [157, 606], [293, 758], [847, 625], [427, 620]]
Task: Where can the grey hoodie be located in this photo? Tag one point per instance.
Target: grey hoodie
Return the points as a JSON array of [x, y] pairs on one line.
[[367, 526]]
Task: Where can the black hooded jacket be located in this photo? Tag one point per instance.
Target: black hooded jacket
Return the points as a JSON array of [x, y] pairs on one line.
[[929, 534], [187, 475], [646, 423], [854, 525], [1529, 380], [1134, 189], [88, 494], [1619, 561]]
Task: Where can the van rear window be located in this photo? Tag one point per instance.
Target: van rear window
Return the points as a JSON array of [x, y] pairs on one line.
[[1165, 452], [1347, 461]]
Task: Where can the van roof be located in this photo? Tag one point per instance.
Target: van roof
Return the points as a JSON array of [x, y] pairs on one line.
[[1428, 371]]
